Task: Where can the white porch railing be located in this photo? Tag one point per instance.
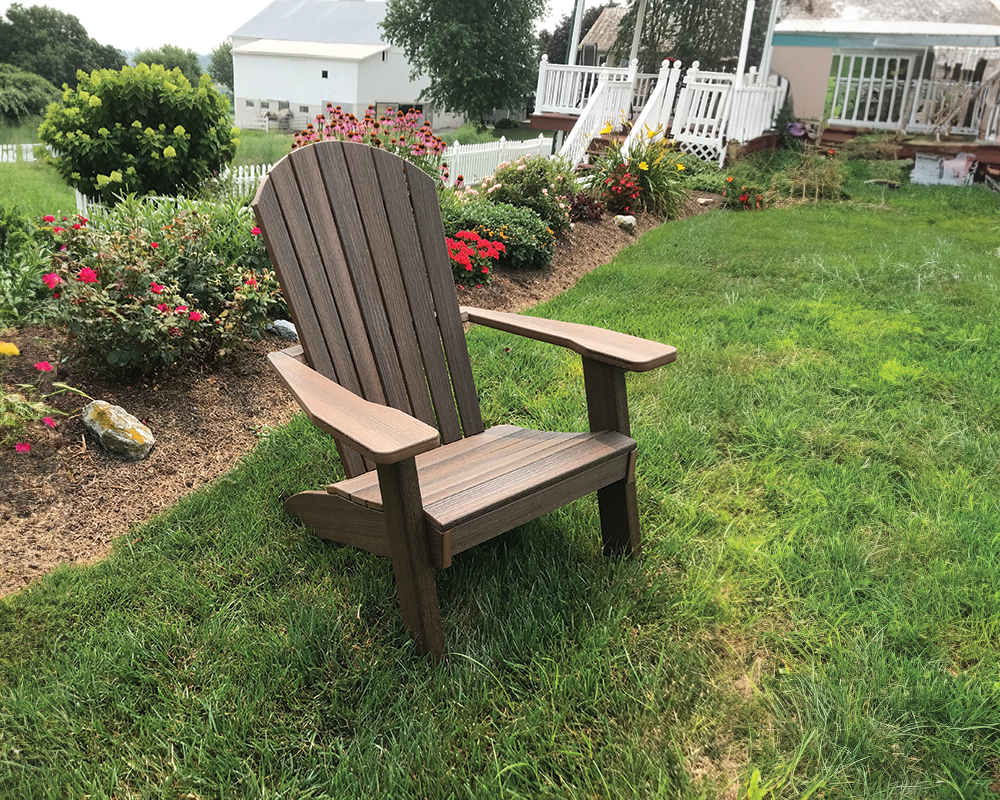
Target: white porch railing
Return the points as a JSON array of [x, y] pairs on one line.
[[607, 104], [566, 88], [475, 161], [703, 110], [654, 119], [755, 107]]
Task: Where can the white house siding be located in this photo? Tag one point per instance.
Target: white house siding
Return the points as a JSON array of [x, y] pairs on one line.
[[388, 81], [296, 81]]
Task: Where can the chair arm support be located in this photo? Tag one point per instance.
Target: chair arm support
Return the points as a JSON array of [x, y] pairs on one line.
[[382, 434], [616, 349]]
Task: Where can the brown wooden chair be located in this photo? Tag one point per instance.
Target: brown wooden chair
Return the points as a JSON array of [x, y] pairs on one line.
[[356, 238]]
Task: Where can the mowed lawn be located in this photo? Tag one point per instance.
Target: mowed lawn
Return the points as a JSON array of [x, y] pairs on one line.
[[816, 612]]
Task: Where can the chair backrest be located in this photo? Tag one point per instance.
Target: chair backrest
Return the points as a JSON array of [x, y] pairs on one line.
[[355, 236]]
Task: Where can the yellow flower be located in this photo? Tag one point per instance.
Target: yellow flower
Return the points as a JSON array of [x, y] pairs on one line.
[[643, 165], [680, 166], [95, 101], [9, 349], [169, 152]]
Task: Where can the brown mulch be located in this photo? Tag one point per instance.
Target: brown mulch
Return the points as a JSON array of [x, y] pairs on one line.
[[66, 500]]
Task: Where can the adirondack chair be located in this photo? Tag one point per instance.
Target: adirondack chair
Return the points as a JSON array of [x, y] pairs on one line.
[[355, 235]]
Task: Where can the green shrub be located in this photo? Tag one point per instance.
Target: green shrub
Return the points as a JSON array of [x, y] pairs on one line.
[[543, 185], [21, 266], [139, 131], [138, 299], [647, 177], [23, 94], [528, 242]]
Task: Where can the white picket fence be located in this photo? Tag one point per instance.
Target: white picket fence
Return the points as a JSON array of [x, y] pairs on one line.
[[472, 161], [9, 152]]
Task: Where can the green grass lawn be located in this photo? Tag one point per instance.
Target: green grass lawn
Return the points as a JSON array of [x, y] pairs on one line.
[[818, 599], [36, 187]]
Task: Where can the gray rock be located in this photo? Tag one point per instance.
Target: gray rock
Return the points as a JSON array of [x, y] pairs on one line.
[[118, 431], [626, 223], [284, 329]]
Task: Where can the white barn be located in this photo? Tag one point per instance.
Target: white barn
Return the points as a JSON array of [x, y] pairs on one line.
[[296, 56]]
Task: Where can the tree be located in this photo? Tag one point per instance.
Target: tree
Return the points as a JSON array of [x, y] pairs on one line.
[[52, 44], [171, 56], [23, 94], [694, 30], [556, 43], [220, 68], [143, 130], [478, 54]]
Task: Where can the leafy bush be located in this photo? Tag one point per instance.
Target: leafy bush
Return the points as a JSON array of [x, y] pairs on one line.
[[471, 256], [745, 197], [533, 182], [648, 177], [584, 206], [21, 267], [407, 135], [138, 299], [23, 94], [140, 131], [528, 242], [506, 124]]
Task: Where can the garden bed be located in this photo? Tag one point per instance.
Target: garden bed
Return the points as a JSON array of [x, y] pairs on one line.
[[65, 501]]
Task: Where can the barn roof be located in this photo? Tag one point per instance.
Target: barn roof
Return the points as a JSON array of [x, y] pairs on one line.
[[328, 50], [324, 21]]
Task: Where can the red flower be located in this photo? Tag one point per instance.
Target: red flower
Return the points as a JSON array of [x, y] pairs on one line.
[[49, 218], [49, 421], [194, 316], [251, 281], [743, 197], [22, 447], [51, 280], [57, 229], [44, 366], [155, 287], [87, 275], [255, 231], [179, 309], [154, 245], [77, 226], [164, 308]]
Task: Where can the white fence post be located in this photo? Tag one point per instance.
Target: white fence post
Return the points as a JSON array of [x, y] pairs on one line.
[[542, 69]]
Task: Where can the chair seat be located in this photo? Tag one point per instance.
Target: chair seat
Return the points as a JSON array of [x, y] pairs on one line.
[[505, 476]]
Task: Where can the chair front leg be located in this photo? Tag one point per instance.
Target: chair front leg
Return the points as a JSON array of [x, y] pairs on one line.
[[607, 410], [411, 563]]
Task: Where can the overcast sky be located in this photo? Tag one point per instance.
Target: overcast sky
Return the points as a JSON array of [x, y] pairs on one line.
[[196, 24]]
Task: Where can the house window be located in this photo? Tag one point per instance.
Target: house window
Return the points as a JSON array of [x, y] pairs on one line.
[[249, 103], [384, 54], [303, 109], [325, 74], [264, 104], [282, 105]]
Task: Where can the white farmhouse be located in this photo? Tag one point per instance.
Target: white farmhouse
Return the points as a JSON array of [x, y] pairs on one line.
[[296, 56]]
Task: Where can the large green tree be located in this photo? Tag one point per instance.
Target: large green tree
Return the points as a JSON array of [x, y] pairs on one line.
[[220, 68], [478, 54], [707, 31], [171, 57], [52, 44], [23, 94]]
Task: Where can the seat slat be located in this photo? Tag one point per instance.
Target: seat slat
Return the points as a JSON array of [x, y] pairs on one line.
[[340, 191], [414, 274], [435, 255], [481, 473], [371, 208]]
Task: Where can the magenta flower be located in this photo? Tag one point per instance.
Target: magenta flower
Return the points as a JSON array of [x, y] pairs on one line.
[[51, 280], [155, 287], [22, 447], [194, 316], [255, 231], [87, 275], [179, 309], [49, 421], [44, 366], [163, 307], [49, 218], [154, 245], [57, 229]]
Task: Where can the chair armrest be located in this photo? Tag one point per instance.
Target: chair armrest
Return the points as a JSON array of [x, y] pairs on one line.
[[608, 347], [382, 434]]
